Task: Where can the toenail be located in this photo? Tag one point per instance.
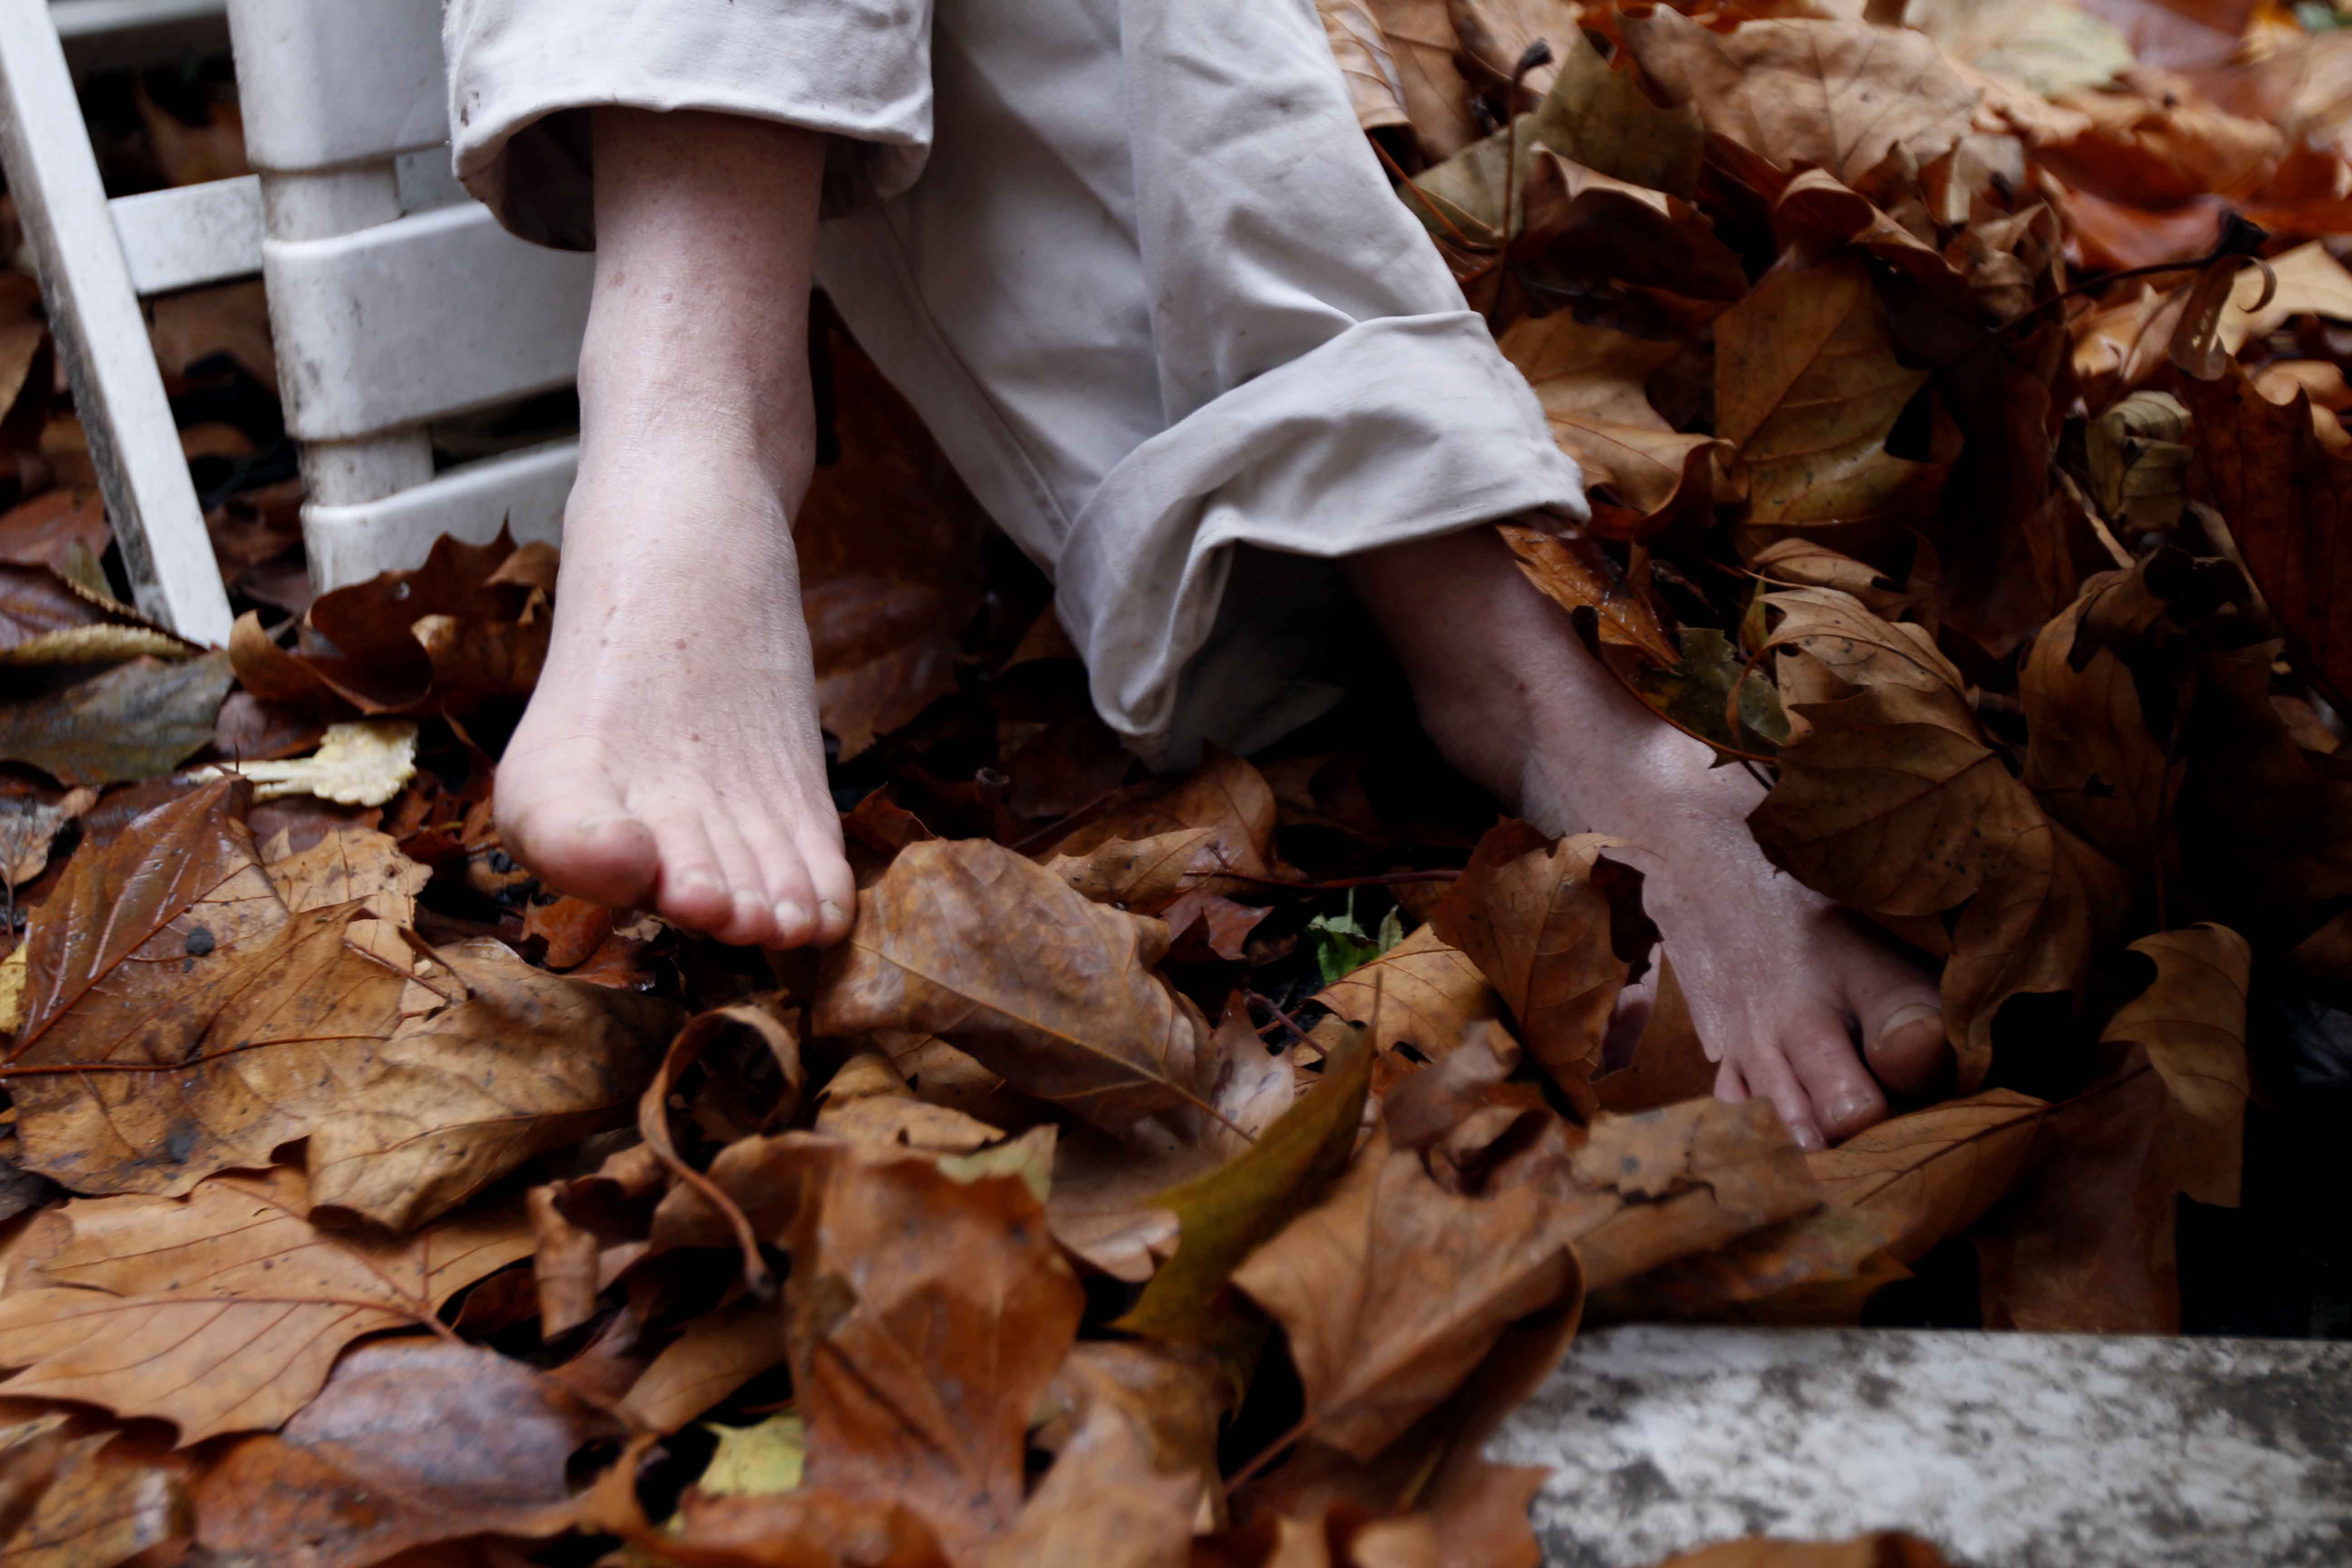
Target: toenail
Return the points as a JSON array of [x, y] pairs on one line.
[[1857, 1109], [790, 916], [1904, 1017], [1807, 1139], [832, 912]]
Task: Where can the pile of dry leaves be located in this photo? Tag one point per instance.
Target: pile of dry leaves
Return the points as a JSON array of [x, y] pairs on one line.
[[1195, 1170]]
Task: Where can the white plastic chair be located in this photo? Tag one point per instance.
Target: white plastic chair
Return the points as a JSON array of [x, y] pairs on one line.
[[394, 298]]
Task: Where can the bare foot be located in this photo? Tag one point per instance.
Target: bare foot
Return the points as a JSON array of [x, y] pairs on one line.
[[1781, 982], [671, 753]]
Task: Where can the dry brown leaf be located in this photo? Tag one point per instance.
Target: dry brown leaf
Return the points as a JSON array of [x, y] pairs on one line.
[[1134, 1470], [1807, 388], [1669, 1063], [1004, 960], [72, 1498], [1558, 931], [224, 1311], [1421, 46], [1575, 573], [1375, 92], [2191, 1021], [866, 1101], [1682, 1179], [1843, 96], [525, 1062], [1929, 1174], [1225, 795], [927, 1316], [2049, 903], [348, 864], [1425, 1106], [1849, 639], [2285, 497], [1591, 382], [1393, 1289], [1421, 992], [1143, 875], [357, 1477], [2085, 1243], [1891, 801], [714, 1356]]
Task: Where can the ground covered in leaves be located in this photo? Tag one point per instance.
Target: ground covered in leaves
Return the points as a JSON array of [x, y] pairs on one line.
[[1193, 1169]]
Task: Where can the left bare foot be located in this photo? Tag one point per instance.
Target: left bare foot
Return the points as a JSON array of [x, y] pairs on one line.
[[1783, 986]]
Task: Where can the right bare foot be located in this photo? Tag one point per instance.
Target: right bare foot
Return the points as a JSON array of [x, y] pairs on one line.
[[1799, 1003], [671, 755]]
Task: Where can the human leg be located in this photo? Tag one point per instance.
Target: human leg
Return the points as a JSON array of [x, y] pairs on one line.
[[671, 753], [1781, 982]]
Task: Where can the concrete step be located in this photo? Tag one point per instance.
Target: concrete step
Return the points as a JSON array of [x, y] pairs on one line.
[[2007, 1450]]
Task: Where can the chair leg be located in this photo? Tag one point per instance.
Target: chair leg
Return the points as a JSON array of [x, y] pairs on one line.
[[94, 315]]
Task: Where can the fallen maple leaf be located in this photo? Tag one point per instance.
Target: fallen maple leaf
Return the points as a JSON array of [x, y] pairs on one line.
[[1807, 389], [1422, 993], [522, 1062], [2191, 1021], [927, 1316], [713, 1356], [1391, 1288], [1843, 96], [1558, 931], [1929, 1174], [224, 1311], [1225, 795], [1677, 1180], [1079, 1018], [1591, 382]]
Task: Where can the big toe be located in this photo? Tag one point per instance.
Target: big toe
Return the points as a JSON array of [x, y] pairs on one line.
[[588, 846]]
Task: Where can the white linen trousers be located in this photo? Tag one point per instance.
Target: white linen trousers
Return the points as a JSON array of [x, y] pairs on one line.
[[1133, 263]]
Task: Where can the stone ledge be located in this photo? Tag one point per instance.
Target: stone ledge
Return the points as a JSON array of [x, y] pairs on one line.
[[2007, 1450]]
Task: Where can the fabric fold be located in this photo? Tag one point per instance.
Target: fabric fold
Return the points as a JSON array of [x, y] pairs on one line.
[[859, 70], [1399, 428]]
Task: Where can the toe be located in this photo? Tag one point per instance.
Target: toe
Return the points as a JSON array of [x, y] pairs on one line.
[[1902, 1020], [1767, 1074], [584, 843], [691, 891], [829, 877], [752, 916], [1845, 1097], [792, 902]]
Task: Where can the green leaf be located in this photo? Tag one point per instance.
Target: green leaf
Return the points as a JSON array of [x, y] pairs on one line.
[[1227, 1215], [1341, 945]]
